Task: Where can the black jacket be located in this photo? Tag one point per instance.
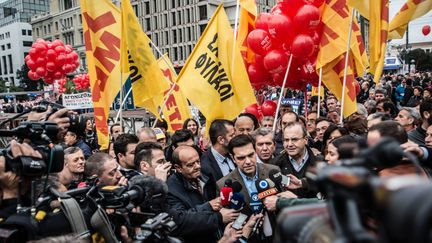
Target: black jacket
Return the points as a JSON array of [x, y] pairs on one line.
[[286, 168], [195, 219], [209, 166], [417, 135]]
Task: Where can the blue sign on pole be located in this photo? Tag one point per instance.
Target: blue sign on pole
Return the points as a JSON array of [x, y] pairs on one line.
[[129, 103]]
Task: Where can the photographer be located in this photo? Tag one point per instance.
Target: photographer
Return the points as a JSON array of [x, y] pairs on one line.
[[105, 168], [150, 160], [124, 148]]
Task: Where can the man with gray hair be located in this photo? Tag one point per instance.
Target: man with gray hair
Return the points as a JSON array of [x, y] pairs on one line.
[[73, 170], [376, 118], [264, 144], [146, 134], [408, 118]]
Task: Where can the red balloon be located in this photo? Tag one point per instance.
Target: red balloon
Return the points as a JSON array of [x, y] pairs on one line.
[[74, 56], [307, 18], [60, 60], [33, 53], [48, 80], [426, 30], [56, 43], [40, 71], [276, 61], [51, 67], [31, 64], [257, 75], [259, 41], [57, 75], [302, 46], [290, 7], [280, 28], [40, 48], [268, 108], [51, 55], [68, 49], [262, 21], [308, 71], [60, 49], [40, 62], [32, 75], [254, 110]]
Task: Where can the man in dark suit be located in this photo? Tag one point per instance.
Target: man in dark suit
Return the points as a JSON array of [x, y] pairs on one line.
[[216, 162], [296, 158], [192, 200]]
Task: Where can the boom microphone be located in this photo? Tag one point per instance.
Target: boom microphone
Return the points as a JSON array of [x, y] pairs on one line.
[[150, 192]]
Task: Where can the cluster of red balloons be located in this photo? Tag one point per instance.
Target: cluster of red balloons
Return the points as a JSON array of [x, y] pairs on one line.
[[51, 60], [426, 30], [292, 28], [268, 108], [82, 81], [62, 85]]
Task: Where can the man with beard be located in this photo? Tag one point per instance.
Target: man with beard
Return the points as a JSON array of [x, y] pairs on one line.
[[124, 148], [216, 162], [418, 135], [73, 170]]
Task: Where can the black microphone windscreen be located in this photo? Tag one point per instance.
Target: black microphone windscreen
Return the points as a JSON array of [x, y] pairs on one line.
[[228, 182], [275, 176], [236, 186], [262, 185]]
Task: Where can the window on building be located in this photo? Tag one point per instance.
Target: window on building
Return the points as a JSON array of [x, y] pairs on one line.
[[4, 64], [8, 46], [12, 79], [202, 12], [49, 28], [180, 35], [80, 18], [67, 4], [175, 54], [202, 28], [10, 64], [45, 30], [0, 68], [81, 37], [173, 17], [37, 32], [147, 7], [148, 26], [27, 43], [29, 32], [56, 26], [174, 35], [23, 32], [7, 34]]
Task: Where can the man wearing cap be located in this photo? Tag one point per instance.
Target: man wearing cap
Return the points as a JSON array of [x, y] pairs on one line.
[[160, 137]]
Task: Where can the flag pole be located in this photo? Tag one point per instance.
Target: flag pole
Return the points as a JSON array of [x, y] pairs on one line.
[[122, 104], [237, 13], [319, 93], [346, 67], [163, 57], [281, 93]]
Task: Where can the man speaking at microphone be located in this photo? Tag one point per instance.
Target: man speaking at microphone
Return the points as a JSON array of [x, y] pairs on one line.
[[242, 149]]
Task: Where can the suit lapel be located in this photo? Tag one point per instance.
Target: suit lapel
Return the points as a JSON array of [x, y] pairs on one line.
[[237, 177], [215, 165]]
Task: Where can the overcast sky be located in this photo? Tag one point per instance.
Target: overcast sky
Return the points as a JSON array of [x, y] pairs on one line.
[[415, 27]]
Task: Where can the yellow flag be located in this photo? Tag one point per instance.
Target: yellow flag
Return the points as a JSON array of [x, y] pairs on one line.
[[248, 14], [102, 32], [411, 10], [140, 63], [315, 91], [176, 110], [207, 80], [333, 46], [377, 11]]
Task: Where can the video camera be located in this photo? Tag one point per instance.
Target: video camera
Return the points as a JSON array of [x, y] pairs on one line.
[[362, 207]]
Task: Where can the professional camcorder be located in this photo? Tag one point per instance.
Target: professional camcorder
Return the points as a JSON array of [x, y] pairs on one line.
[[360, 206]]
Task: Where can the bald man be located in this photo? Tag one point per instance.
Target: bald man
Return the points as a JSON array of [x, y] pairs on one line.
[[244, 125]]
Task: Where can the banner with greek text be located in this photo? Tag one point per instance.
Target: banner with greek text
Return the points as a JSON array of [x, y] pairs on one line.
[[77, 101]]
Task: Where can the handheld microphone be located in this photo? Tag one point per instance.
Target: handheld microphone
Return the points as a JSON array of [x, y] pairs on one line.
[[237, 200], [255, 203], [226, 193], [265, 188], [279, 179]]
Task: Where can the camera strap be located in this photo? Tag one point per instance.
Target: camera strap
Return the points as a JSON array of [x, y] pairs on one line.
[[76, 219], [100, 223]]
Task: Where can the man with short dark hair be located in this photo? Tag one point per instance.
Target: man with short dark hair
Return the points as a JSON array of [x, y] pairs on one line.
[[105, 168], [390, 129], [179, 138], [192, 199], [124, 148], [72, 139], [216, 161], [297, 156], [73, 170], [418, 135], [286, 118], [150, 159], [115, 131], [321, 126], [380, 94]]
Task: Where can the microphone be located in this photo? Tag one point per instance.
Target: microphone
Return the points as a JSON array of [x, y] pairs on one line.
[[265, 188], [237, 200], [255, 203], [226, 193], [147, 190], [279, 179]]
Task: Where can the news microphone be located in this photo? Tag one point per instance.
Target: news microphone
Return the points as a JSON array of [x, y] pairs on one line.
[[265, 188], [255, 203], [237, 200], [279, 179], [226, 193]]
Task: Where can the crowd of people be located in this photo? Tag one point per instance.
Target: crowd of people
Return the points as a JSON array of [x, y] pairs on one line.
[[196, 166]]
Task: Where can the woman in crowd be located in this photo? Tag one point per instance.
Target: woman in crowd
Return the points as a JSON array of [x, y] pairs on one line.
[[331, 133], [193, 126], [344, 147]]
